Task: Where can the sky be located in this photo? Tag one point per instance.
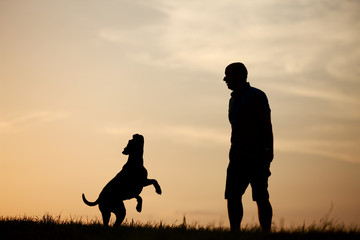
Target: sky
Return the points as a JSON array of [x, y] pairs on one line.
[[79, 78]]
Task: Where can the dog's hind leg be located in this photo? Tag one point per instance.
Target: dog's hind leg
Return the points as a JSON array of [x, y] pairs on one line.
[[106, 217], [139, 203], [154, 183], [120, 213]]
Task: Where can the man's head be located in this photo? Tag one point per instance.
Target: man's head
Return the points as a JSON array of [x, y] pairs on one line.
[[235, 75]]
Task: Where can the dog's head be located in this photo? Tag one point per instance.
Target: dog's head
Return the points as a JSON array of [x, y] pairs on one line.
[[135, 145]]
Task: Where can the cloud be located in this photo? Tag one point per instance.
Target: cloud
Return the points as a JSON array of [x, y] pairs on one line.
[[345, 66], [17, 124], [186, 134], [340, 150], [111, 35], [42, 116], [329, 95], [286, 37]]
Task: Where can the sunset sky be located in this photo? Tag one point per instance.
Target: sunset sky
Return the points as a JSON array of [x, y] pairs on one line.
[[78, 78]]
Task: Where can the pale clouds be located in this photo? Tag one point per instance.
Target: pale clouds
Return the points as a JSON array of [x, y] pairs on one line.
[[184, 134], [287, 37], [329, 95], [19, 123], [330, 149]]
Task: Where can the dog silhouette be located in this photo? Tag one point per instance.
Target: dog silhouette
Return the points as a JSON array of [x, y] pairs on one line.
[[127, 184]]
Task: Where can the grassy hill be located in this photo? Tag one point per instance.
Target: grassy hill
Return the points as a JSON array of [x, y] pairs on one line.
[[48, 227]]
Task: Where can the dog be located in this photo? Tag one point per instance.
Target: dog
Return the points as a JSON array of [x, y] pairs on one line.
[[127, 184]]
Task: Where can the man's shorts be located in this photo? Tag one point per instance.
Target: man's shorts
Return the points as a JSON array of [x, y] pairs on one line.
[[242, 172]]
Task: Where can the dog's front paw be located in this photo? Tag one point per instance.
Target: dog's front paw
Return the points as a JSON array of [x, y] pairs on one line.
[[158, 189]]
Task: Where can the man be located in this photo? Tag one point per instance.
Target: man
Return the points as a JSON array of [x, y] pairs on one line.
[[251, 149]]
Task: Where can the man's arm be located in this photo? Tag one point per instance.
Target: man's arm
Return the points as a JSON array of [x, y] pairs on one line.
[[268, 137], [266, 127]]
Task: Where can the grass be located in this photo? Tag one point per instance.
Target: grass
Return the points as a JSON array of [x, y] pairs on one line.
[[49, 227]]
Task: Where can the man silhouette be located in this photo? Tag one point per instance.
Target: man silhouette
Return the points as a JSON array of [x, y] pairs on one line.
[[251, 149]]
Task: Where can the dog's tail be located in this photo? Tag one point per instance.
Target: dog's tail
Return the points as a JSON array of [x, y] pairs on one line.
[[91, 204]]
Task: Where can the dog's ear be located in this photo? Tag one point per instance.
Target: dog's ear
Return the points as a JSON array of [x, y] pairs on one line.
[[138, 138], [139, 141]]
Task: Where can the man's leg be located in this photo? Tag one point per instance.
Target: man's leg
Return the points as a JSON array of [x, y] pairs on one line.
[[265, 214], [235, 212]]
